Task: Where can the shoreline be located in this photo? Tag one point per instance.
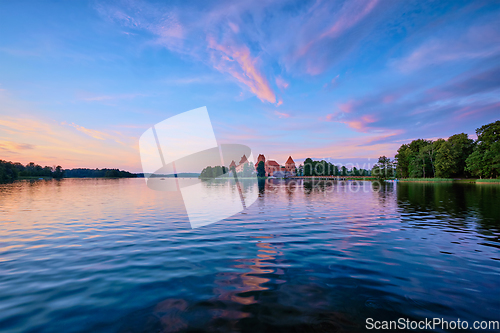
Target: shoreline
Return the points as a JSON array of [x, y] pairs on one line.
[[462, 181]]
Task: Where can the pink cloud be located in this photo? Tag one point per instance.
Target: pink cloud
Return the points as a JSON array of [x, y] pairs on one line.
[[474, 110], [237, 61], [347, 107], [348, 21], [361, 123], [235, 28], [282, 114], [281, 83]]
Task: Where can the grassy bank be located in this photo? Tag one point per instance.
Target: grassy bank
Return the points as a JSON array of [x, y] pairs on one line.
[[427, 180], [448, 180]]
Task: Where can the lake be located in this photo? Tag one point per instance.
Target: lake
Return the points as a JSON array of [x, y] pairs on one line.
[[112, 255]]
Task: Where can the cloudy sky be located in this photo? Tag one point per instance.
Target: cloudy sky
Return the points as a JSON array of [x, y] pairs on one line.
[[81, 81]]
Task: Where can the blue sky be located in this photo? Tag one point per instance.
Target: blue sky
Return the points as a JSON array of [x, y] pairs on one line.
[[81, 81]]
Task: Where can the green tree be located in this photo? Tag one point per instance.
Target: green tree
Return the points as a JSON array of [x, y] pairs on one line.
[[58, 172], [475, 163], [383, 169], [482, 162], [248, 169], [491, 159], [301, 170], [308, 167], [8, 171], [445, 164], [403, 161], [261, 170]]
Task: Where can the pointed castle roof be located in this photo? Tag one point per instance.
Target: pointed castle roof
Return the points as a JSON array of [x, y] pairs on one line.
[[232, 165], [243, 159], [289, 160]]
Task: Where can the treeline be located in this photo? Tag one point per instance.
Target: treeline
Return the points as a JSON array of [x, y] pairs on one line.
[[324, 168], [459, 156], [98, 173], [213, 172], [10, 171], [217, 171]]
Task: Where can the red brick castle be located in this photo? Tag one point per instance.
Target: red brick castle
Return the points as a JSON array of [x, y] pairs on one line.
[[274, 169]]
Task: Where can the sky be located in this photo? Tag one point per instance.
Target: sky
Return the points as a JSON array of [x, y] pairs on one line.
[[80, 81]]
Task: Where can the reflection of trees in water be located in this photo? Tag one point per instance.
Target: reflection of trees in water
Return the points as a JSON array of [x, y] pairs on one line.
[[455, 204], [319, 186], [262, 186], [384, 192]]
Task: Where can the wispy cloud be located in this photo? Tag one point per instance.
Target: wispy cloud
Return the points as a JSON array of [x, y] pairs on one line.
[[316, 51], [237, 61], [281, 83], [14, 147], [478, 42], [242, 38], [468, 99], [180, 32], [282, 114]]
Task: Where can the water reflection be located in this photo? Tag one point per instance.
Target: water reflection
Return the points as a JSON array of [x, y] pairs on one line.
[[454, 207], [112, 255]]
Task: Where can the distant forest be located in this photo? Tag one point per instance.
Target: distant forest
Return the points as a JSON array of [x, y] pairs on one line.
[[96, 173], [10, 171]]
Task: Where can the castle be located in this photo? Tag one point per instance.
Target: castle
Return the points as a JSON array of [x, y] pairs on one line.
[[239, 167], [274, 169], [271, 166]]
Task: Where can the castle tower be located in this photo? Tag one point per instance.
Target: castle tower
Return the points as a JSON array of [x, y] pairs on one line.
[[290, 164], [259, 159]]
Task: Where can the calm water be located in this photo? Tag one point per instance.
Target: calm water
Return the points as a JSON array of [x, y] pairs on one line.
[[114, 256]]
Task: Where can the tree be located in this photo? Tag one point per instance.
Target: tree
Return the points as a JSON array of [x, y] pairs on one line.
[[308, 167], [491, 159], [383, 169], [261, 170], [301, 170], [320, 168], [8, 171], [452, 154], [475, 163], [248, 169], [207, 173], [445, 164], [58, 172], [484, 158], [403, 161]]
